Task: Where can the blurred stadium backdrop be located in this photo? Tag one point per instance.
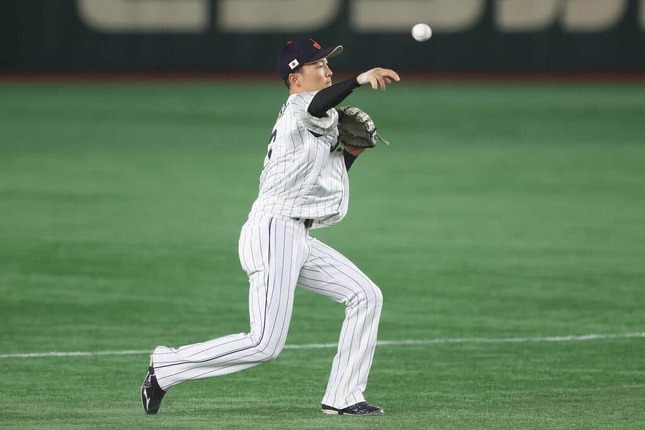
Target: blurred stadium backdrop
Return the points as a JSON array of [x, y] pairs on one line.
[[235, 35]]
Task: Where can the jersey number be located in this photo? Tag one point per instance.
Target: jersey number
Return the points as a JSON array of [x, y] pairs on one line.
[[274, 135], [271, 140]]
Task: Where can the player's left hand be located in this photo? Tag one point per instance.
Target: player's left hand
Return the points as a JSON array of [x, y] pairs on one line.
[[378, 77]]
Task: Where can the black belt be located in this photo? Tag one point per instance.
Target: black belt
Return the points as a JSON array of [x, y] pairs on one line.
[[306, 221]]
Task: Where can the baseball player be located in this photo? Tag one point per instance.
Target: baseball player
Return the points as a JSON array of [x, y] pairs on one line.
[[303, 186]]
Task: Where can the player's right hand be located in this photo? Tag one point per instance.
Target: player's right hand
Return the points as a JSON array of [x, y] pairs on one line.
[[378, 77]]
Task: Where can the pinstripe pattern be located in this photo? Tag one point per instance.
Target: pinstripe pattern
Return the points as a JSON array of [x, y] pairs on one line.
[[304, 173], [330, 274], [278, 255], [304, 177], [271, 252]]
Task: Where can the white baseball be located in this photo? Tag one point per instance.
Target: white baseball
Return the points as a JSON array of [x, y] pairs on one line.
[[421, 32]]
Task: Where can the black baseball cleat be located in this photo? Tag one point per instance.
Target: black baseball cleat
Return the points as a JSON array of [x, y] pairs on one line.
[[151, 392], [362, 409]]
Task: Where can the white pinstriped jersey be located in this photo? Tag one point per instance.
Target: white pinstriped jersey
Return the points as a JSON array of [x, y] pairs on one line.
[[304, 173]]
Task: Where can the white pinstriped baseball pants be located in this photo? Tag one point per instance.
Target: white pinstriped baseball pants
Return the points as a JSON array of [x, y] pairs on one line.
[[278, 254]]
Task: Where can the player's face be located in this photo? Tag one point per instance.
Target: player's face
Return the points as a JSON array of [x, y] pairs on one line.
[[315, 76]]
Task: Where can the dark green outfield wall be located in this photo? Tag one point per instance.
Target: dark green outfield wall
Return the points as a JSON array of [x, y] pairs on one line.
[[212, 35]]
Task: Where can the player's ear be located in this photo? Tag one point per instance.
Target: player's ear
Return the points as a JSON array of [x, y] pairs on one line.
[[295, 80]]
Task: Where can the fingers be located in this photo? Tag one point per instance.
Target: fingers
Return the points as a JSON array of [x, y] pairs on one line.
[[382, 82], [378, 78], [391, 74], [373, 80], [387, 76]]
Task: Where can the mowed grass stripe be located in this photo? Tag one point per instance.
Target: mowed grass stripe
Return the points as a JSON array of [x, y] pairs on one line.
[[567, 338]]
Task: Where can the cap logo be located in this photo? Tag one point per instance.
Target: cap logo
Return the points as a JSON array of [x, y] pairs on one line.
[[293, 64], [316, 44]]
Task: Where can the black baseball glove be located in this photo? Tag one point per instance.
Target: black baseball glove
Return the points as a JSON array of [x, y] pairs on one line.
[[356, 128]]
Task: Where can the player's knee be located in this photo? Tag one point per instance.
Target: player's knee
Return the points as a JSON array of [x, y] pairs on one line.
[[266, 352], [377, 299], [370, 296]]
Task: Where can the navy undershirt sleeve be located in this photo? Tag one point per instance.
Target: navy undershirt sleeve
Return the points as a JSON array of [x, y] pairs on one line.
[[349, 159], [329, 97]]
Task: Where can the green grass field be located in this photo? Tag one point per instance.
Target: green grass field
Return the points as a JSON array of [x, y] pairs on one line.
[[499, 212]]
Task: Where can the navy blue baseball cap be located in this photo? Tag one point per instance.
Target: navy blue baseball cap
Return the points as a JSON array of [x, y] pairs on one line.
[[298, 52]]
